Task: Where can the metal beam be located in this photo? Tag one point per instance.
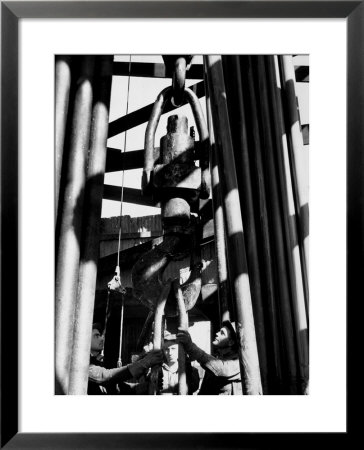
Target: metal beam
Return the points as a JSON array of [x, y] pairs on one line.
[[117, 160], [131, 195], [126, 236], [153, 70]]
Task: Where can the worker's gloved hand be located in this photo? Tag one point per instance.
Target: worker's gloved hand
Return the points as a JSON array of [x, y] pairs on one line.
[[139, 367], [184, 338], [152, 358]]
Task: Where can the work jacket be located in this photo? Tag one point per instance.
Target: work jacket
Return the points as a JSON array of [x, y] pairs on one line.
[[170, 379], [222, 373], [103, 381]]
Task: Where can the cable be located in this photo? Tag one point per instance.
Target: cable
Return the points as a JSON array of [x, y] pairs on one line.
[[119, 363], [122, 184]]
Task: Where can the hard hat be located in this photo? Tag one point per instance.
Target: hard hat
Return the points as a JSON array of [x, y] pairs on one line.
[[97, 326], [231, 326]]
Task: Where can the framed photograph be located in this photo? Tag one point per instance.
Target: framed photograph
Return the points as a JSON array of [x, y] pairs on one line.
[[36, 39]]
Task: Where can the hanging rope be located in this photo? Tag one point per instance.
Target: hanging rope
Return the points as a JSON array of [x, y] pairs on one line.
[[119, 362], [122, 184], [115, 283]]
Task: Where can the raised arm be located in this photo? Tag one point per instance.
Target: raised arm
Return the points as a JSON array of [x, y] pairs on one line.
[[218, 367], [101, 375]]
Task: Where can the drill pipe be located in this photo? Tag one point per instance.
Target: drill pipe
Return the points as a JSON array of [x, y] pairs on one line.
[[284, 298], [237, 116], [266, 250], [183, 324], [248, 352], [70, 230], [219, 227], [158, 335], [295, 146], [292, 246], [90, 247], [63, 84]]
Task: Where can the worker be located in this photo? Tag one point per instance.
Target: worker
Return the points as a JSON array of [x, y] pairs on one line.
[[222, 373], [169, 371], [100, 378]]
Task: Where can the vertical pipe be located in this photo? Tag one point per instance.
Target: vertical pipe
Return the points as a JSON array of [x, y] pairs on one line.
[[281, 269], [119, 362], [248, 351], [236, 103], [107, 312], [265, 246], [183, 324], [285, 181], [90, 244], [295, 142], [144, 331], [71, 223], [62, 85], [219, 228], [158, 336]]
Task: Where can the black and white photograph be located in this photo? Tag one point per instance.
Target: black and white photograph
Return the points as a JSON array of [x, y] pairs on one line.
[[181, 206], [182, 224]]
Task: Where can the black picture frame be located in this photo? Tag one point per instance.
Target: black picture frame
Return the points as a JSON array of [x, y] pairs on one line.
[[11, 13]]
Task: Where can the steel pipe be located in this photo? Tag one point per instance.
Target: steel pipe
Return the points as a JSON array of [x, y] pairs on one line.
[[295, 142], [183, 324], [70, 229], [219, 227], [90, 243], [62, 84], [265, 247], [145, 330], [289, 220], [237, 116], [237, 263], [119, 361], [158, 336], [284, 299]]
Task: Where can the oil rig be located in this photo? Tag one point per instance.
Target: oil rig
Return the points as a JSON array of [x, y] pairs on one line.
[[227, 236]]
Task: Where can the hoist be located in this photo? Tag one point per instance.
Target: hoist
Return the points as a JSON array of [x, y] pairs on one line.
[[172, 177]]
